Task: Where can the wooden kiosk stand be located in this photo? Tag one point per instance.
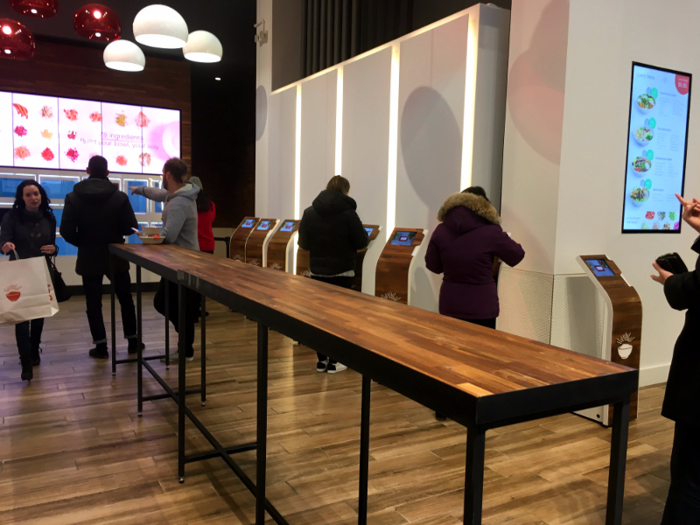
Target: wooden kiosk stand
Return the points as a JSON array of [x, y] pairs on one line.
[[622, 329], [372, 232], [255, 247], [239, 238], [394, 264], [278, 247]]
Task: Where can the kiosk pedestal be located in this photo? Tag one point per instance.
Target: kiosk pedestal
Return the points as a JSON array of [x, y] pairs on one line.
[[394, 264], [622, 331], [255, 247], [240, 236], [278, 247], [372, 232]]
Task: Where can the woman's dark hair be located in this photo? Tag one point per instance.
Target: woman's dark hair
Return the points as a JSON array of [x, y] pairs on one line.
[[203, 202], [45, 201], [477, 190], [339, 183]]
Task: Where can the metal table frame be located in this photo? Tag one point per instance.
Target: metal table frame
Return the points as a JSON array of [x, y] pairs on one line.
[[477, 415]]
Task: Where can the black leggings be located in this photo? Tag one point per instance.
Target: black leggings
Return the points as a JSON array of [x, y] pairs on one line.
[[28, 336], [343, 282], [683, 503]]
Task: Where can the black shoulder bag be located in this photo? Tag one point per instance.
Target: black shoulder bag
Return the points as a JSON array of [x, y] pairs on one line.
[[59, 285]]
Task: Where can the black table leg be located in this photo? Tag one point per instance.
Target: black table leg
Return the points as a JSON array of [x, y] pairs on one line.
[[474, 479], [167, 323], [618, 460], [113, 318], [182, 387], [203, 330], [364, 450], [262, 425], [139, 328]]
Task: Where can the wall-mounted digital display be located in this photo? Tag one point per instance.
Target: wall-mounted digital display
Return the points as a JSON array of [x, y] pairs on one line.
[[248, 223], [403, 238], [599, 267], [288, 226], [8, 185], [656, 149], [61, 133], [264, 225]]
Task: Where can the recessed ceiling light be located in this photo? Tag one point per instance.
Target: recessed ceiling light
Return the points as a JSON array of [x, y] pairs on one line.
[[98, 34], [8, 52], [217, 78], [34, 11], [97, 14], [7, 30]]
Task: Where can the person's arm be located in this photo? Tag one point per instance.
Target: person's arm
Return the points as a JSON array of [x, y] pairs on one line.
[[303, 240], [128, 219], [69, 226], [358, 234], [506, 249], [176, 220], [683, 290], [155, 194], [433, 261], [51, 248], [7, 229]]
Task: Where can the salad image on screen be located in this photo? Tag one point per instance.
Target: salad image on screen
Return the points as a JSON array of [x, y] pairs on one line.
[[639, 196], [641, 165], [644, 135], [645, 102]]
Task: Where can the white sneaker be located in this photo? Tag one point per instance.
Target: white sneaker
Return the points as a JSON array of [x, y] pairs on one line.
[[334, 368], [321, 366], [175, 356]]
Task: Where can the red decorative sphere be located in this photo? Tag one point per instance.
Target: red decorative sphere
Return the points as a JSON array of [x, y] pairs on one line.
[[15, 40], [97, 22], [37, 8]]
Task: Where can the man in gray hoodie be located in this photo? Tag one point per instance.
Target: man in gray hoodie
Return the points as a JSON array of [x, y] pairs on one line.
[[179, 227]]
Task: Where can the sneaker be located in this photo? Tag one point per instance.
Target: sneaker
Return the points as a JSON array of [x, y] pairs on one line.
[[334, 368], [133, 346], [100, 351], [321, 366], [175, 356], [440, 417]]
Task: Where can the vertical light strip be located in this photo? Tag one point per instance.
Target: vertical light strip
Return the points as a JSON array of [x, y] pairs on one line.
[[339, 124], [393, 140], [297, 172], [469, 103]]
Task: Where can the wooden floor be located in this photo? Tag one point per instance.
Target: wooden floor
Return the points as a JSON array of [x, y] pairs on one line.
[[73, 450]]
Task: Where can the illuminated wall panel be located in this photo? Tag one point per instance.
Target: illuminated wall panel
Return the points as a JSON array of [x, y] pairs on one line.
[[282, 133]]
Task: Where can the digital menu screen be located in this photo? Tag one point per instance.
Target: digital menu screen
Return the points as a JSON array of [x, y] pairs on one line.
[[288, 226], [248, 223], [403, 238], [600, 267], [264, 225], [656, 150], [61, 133]]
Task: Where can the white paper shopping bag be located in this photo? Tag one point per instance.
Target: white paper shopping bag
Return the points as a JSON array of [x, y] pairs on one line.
[[26, 291]]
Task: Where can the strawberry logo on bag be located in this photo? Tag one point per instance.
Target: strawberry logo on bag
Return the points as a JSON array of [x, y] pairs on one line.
[[13, 293]]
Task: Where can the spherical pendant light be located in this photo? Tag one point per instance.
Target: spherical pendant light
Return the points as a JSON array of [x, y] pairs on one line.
[[202, 46], [97, 22], [160, 26], [124, 55], [37, 8], [15, 40]]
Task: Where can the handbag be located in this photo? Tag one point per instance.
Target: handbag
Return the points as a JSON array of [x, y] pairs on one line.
[[672, 262], [59, 285], [26, 291]]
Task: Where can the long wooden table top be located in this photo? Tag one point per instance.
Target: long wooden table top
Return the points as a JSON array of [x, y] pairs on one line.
[[472, 374]]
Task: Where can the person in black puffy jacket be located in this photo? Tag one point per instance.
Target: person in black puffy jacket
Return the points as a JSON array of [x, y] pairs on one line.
[[682, 399], [332, 232], [97, 214]]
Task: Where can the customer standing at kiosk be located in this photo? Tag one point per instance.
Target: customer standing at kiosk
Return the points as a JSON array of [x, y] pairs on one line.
[[463, 248], [332, 232], [682, 399]]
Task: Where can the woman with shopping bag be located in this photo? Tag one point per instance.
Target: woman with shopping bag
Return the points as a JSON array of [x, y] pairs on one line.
[[28, 231]]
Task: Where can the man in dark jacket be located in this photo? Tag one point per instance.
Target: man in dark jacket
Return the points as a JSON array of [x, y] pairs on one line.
[[332, 232], [95, 215], [682, 399]]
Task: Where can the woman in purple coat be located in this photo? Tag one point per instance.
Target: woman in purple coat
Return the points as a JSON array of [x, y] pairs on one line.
[[463, 248]]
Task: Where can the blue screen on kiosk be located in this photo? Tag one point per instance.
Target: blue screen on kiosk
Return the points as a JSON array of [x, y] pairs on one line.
[[403, 238], [369, 231], [248, 223], [288, 226], [264, 226], [600, 267]]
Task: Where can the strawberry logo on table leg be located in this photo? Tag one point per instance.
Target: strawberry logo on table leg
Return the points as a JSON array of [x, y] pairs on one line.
[[13, 293]]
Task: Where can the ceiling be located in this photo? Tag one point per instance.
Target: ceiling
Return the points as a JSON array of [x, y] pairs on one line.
[[230, 20]]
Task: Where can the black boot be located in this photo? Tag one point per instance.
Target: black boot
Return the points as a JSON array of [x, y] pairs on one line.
[[36, 358], [27, 372], [100, 351], [134, 345]]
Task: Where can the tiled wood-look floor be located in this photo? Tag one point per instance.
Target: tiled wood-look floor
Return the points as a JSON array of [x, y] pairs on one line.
[[74, 451]]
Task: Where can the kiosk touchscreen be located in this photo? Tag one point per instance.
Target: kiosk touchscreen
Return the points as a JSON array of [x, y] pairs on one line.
[[278, 249], [239, 238], [622, 327], [394, 264], [256, 245], [372, 232]]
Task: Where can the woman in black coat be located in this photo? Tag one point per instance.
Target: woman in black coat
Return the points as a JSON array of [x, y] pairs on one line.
[[682, 399], [332, 232], [30, 230]]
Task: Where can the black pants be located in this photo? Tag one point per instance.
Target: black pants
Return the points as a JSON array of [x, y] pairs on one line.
[[28, 336], [92, 284], [683, 503], [192, 303], [343, 282]]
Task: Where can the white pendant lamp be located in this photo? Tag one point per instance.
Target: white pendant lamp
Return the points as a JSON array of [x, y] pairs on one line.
[[161, 26], [124, 55], [202, 46]]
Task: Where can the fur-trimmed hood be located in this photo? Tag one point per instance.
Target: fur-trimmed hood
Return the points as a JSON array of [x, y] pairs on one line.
[[474, 203]]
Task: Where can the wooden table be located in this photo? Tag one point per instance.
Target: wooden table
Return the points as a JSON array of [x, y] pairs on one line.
[[478, 377]]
